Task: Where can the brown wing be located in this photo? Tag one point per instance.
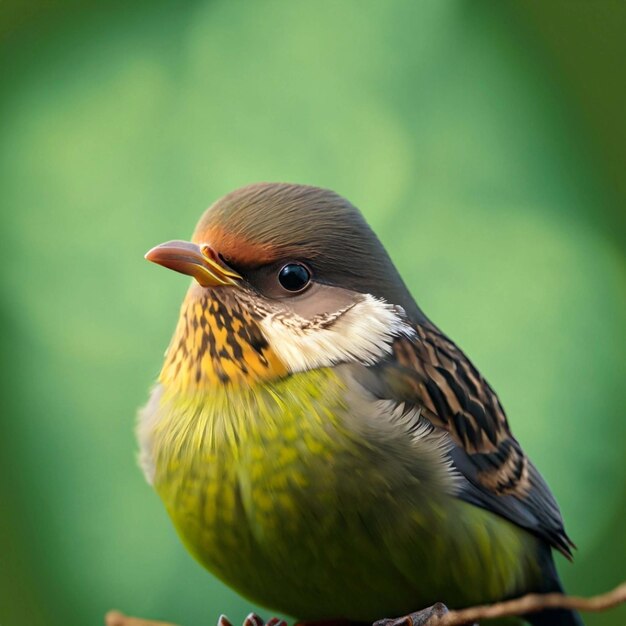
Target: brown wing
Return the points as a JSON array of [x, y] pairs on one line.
[[458, 399], [431, 372]]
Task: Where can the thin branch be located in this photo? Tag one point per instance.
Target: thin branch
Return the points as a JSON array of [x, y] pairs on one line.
[[530, 603], [115, 618]]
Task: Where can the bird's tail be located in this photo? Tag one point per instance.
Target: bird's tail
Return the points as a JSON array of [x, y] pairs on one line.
[[552, 584], [555, 617]]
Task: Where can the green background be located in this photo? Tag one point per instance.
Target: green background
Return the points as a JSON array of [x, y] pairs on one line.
[[486, 144]]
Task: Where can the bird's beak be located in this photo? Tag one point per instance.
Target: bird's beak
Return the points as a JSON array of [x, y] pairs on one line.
[[199, 261]]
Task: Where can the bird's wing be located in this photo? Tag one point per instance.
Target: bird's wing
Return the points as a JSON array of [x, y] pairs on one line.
[[430, 372]]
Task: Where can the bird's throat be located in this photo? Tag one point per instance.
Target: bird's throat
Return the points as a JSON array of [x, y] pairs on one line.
[[217, 342]]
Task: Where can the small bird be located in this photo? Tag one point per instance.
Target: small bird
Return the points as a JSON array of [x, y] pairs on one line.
[[319, 444]]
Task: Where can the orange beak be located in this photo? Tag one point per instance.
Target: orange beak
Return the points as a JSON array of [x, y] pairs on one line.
[[199, 261]]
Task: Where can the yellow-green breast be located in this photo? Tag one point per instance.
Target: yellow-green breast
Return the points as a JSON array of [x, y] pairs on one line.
[[273, 489]]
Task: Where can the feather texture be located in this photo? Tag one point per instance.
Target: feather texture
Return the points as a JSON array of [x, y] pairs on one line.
[[429, 371]]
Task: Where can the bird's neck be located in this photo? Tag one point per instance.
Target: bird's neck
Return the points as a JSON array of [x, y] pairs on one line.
[[217, 342]]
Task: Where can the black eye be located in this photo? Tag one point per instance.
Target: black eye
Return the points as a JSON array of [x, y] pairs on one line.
[[294, 277]]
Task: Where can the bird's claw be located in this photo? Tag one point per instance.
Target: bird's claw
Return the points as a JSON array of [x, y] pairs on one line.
[[252, 619], [425, 617]]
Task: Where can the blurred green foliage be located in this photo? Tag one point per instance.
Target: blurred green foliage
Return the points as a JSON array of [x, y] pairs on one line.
[[486, 144]]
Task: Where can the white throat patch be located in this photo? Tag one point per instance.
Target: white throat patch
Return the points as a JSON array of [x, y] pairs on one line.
[[362, 332]]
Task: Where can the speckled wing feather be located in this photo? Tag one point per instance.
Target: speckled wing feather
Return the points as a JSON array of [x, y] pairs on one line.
[[429, 371]]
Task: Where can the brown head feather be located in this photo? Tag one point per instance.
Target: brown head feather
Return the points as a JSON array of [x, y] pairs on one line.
[[269, 222]]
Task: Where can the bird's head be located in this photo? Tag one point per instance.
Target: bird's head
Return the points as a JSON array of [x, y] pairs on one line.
[[287, 278]]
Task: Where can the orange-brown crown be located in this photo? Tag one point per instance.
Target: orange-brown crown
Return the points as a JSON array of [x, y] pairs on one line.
[[267, 222]]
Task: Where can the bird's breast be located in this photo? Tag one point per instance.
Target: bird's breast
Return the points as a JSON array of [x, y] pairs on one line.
[[243, 468], [274, 486]]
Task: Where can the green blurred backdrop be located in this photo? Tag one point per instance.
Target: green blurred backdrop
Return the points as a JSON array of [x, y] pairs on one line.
[[485, 142]]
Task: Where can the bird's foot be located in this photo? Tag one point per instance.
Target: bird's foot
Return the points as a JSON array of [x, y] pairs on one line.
[[252, 619], [426, 617]]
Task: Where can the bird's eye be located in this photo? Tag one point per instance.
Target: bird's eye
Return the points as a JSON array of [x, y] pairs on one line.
[[294, 277]]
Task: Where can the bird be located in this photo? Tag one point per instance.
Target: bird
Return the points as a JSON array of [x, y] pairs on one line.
[[320, 445]]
